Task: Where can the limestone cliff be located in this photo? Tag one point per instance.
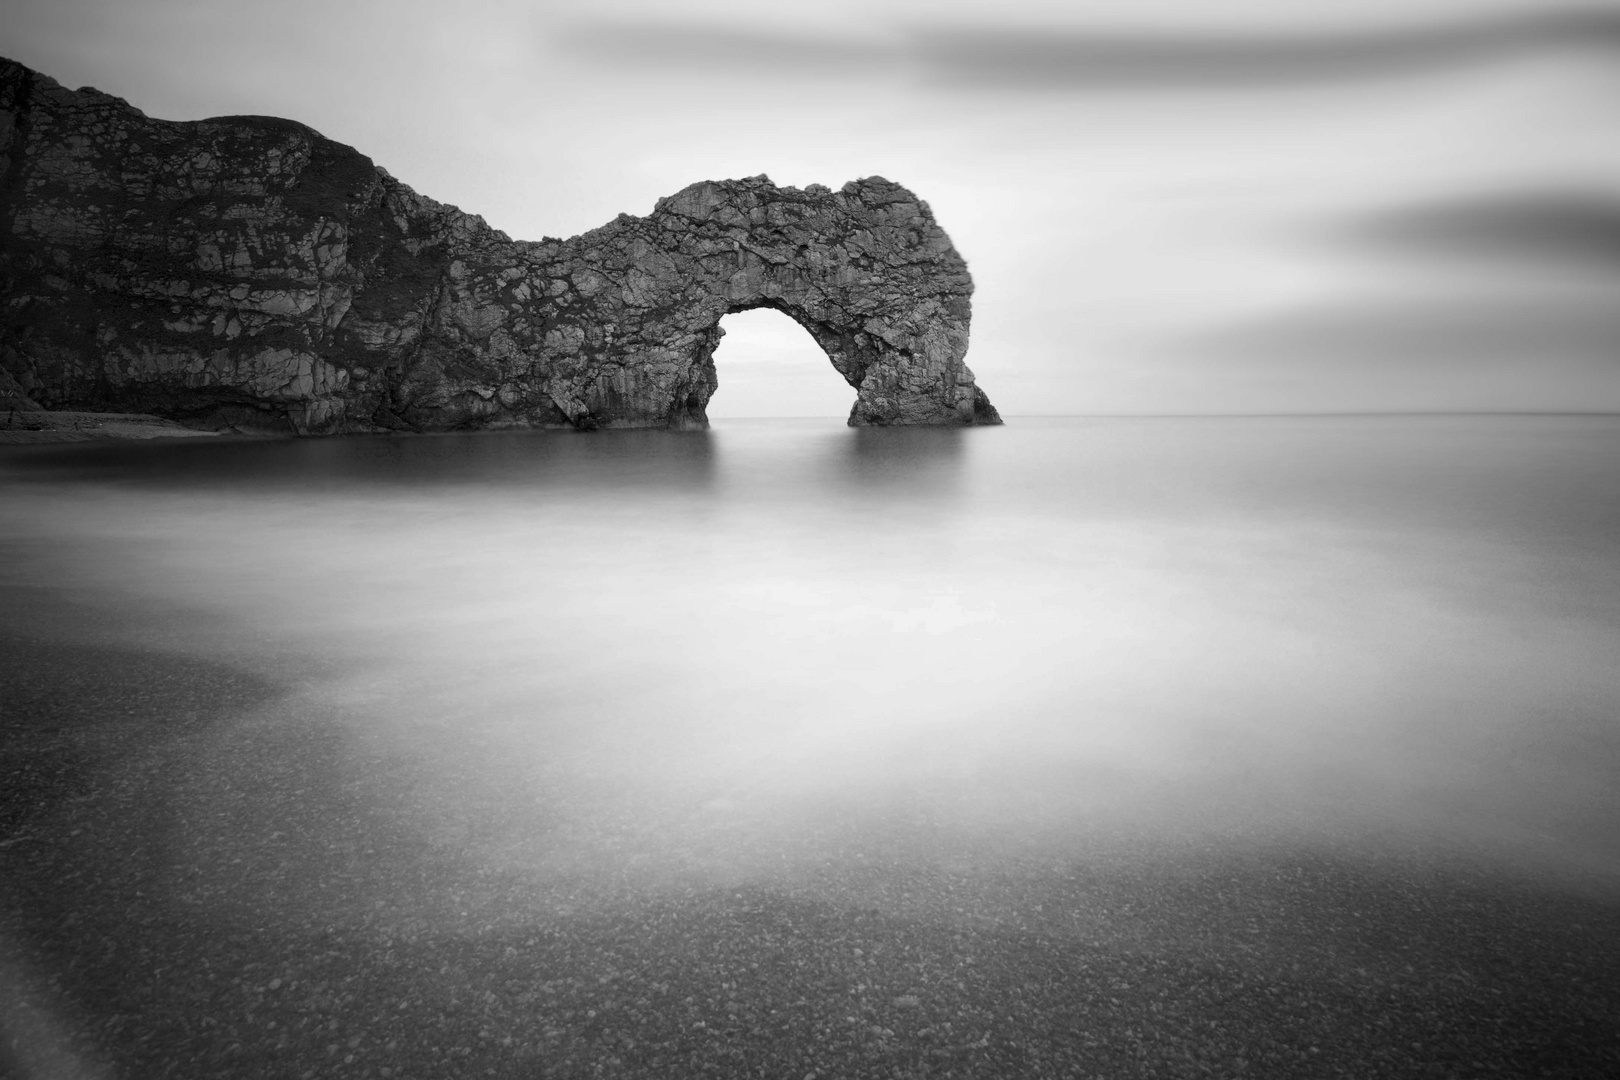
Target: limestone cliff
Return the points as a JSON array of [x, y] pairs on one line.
[[246, 271]]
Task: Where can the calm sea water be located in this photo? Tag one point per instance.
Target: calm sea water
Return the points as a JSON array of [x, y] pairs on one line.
[[781, 651]]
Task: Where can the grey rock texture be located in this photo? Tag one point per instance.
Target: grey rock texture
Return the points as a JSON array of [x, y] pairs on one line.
[[247, 272]]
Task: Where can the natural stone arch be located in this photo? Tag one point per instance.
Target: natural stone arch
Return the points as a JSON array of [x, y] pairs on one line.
[[246, 270], [632, 310], [865, 271]]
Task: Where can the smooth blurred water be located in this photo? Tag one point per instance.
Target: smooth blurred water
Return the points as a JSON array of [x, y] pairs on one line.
[[780, 650]]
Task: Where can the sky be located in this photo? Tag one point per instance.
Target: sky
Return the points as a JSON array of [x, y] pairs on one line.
[[1168, 206]]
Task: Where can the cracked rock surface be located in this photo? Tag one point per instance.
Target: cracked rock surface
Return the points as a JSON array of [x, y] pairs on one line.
[[246, 272]]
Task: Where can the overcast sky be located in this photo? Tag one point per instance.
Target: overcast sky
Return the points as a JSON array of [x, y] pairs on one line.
[[1167, 205]]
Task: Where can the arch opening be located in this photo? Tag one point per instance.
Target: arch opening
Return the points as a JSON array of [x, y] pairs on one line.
[[768, 365]]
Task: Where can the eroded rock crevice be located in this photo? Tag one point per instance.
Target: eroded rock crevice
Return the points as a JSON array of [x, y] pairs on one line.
[[248, 272]]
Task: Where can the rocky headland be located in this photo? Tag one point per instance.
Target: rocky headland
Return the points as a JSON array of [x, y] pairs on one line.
[[246, 273]]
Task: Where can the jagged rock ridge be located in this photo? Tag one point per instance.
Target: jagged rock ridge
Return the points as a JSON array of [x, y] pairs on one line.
[[247, 271]]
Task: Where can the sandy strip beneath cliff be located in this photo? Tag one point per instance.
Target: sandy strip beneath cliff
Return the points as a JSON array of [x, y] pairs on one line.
[[59, 427]]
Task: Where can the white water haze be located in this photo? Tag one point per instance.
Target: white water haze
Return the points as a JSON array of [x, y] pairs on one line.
[[764, 653]]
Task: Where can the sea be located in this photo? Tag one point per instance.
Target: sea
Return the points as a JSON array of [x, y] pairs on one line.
[[400, 689]]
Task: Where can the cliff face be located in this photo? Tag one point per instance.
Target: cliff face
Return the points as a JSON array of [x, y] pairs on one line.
[[246, 271]]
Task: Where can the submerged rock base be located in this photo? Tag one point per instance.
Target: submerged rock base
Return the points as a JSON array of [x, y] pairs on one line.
[[247, 272]]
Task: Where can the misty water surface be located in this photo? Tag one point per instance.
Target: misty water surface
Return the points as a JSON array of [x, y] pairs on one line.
[[784, 652]]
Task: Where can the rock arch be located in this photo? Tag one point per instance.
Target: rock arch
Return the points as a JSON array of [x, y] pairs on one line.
[[618, 327], [865, 270], [247, 271]]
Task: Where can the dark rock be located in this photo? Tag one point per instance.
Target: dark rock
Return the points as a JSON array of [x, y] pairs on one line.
[[248, 272], [13, 399]]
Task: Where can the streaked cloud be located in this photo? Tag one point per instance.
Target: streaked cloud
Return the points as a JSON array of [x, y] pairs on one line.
[[1060, 57], [1209, 60], [1431, 333], [717, 51], [1579, 229]]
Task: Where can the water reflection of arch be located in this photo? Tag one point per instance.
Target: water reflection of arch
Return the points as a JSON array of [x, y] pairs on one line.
[[927, 460]]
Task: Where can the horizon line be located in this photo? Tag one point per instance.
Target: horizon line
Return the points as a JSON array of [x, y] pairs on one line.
[[1224, 415]]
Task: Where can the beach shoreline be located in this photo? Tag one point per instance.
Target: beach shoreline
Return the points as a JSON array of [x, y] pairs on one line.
[[32, 427]]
